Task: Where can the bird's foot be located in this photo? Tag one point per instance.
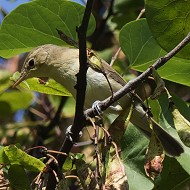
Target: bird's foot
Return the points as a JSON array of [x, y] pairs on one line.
[[115, 108], [97, 108]]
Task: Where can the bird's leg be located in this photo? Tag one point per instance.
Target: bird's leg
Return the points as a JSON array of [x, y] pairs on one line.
[[109, 85]]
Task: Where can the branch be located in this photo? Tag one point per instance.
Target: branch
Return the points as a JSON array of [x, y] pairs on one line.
[[133, 84], [79, 120], [4, 13]]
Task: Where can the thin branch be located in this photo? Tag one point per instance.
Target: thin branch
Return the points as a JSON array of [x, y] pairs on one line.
[[67, 39], [118, 51], [110, 11], [38, 113], [140, 14], [4, 13], [115, 57], [133, 84]]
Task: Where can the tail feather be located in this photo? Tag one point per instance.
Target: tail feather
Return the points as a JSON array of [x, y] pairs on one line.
[[169, 143], [140, 119]]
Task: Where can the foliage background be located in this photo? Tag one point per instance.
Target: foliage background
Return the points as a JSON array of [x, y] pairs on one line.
[[28, 118]]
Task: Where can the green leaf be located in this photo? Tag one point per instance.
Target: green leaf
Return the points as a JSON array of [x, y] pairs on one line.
[[84, 172], [182, 106], [134, 146], [142, 51], [12, 101], [133, 150], [168, 123], [184, 160], [155, 109], [169, 22], [173, 176], [35, 23], [182, 126], [18, 178], [3, 158], [70, 160], [35, 84], [19, 157]]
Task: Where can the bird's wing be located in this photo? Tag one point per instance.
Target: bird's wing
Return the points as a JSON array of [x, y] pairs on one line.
[[110, 72]]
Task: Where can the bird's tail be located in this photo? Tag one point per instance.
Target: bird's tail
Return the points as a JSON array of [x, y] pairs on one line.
[[169, 143], [140, 119]]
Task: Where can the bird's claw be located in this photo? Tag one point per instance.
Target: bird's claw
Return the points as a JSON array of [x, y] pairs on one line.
[[96, 106], [98, 110]]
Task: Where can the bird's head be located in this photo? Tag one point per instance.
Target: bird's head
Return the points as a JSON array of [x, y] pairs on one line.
[[35, 64]]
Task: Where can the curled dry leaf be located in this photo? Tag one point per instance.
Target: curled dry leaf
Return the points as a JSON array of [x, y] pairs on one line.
[[116, 178], [154, 157], [86, 175]]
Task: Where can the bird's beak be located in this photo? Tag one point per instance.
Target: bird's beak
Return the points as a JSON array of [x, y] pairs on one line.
[[20, 79]]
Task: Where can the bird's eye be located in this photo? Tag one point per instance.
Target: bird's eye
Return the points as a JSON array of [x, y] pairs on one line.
[[31, 63]]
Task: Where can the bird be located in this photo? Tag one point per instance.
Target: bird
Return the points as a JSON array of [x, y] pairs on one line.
[[62, 65]]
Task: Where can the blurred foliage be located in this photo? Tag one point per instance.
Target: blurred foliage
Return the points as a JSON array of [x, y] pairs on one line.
[[44, 115], [126, 11]]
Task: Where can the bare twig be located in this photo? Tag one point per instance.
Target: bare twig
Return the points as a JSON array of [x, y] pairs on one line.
[[67, 39], [4, 13], [115, 57], [140, 14], [110, 10], [96, 148], [118, 157], [117, 53], [38, 113]]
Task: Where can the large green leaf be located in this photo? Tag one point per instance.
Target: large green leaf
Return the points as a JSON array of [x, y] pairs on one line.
[[142, 50], [169, 22], [35, 23], [133, 150], [173, 176], [168, 122], [133, 147]]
